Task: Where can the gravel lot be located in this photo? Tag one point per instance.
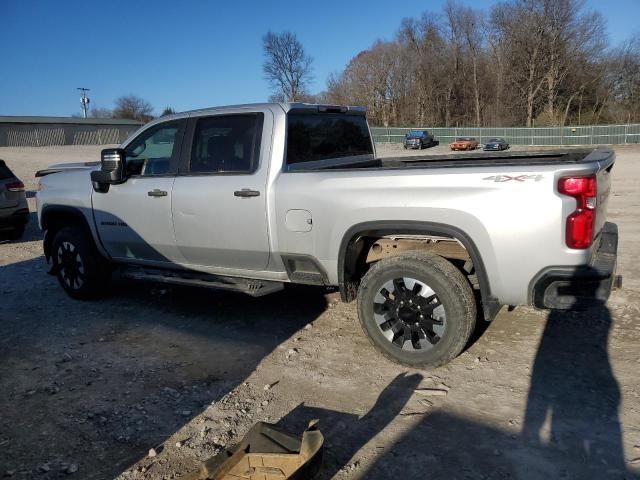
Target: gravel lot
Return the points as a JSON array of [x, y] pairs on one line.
[[86, 389]]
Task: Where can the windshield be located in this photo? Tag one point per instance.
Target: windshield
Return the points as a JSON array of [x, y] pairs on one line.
[[495, 140], [415, 134], [317, 136], [465, 139]]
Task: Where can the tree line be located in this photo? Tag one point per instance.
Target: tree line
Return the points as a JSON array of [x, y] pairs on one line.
[[523, 62], [129, 107]]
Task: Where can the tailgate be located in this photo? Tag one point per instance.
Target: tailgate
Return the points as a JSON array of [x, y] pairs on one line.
[[603, 179]]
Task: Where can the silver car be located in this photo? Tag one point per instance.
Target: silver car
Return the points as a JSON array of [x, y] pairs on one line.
[[14, 212]]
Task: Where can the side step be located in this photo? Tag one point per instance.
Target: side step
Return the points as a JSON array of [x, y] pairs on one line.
[[255, 288]]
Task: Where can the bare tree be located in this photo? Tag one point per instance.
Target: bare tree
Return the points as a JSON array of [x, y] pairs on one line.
[[167, 111], [96, 112], [133, 108], [454, 77], [471, 27], [623, 76], [286, 66], [573, 40], [376, 78], [496, 57], [425, 48], [521, 24]]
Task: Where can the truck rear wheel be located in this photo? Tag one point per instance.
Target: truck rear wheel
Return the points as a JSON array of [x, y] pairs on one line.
[[417, 309], [80, 269]]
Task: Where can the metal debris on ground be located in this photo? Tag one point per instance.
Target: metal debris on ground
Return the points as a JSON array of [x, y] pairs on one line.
[[269, 386], [432, 392]]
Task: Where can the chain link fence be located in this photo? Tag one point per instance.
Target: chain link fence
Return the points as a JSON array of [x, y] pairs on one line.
[[535, 136]]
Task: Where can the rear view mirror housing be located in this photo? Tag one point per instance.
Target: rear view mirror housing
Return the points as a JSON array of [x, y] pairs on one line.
[[112, 170]]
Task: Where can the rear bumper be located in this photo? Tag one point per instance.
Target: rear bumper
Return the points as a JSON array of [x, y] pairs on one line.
[[14, 219], [577, 288]]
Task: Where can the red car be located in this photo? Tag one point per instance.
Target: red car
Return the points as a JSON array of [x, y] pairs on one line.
[[464, 143]]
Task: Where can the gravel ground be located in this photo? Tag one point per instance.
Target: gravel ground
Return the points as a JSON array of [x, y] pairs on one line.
[[87, 389]]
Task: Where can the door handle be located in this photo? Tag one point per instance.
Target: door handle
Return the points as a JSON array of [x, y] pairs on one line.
[[157, 193], [246, 193]]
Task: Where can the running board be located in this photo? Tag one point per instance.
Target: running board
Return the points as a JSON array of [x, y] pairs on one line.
[[255, 288]]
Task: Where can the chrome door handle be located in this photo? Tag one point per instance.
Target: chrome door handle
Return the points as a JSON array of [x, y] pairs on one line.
[[157, 193], [246, 193]]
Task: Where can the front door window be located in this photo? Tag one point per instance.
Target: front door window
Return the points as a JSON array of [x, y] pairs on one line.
[[152, 153]]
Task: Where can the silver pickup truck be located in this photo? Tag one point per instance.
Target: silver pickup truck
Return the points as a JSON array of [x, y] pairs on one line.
[[251, 197]]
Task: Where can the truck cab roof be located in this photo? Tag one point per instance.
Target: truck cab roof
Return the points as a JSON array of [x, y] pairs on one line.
[[285, 106]]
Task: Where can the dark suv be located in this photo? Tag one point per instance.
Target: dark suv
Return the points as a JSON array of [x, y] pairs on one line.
[[14, 212], [418, 139]]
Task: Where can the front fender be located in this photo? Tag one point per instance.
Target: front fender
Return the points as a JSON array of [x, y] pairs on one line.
[[55, 217]]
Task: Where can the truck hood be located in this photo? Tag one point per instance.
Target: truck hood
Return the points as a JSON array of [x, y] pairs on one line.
[[64, 167]]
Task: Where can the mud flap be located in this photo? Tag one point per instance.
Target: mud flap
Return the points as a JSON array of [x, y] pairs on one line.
[[267, 453]]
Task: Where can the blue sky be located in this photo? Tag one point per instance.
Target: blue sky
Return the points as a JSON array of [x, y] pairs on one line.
[[191, 53]]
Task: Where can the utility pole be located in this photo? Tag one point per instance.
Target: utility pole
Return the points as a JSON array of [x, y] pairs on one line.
[[84, 101]]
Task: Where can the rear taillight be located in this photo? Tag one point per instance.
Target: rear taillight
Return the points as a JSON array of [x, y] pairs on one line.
[[579, 232], [15, 186]]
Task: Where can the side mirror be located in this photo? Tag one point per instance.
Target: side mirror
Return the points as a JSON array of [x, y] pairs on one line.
[[112, 170]]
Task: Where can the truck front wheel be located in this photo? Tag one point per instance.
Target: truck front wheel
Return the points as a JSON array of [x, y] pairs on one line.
[[80, 269], [417, 309]]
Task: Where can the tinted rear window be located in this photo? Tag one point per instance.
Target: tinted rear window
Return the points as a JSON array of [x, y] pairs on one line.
[[4, 171], [313, 137]]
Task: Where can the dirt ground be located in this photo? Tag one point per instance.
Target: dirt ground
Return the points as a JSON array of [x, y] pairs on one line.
[[87, 389]]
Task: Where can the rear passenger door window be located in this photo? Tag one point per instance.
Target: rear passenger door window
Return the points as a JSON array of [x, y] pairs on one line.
[[226, 144]]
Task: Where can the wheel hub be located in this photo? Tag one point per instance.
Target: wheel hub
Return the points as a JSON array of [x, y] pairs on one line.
[[70, 265], [409, 314], [69, 261]]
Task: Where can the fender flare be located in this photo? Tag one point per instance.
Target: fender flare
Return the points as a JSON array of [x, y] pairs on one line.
[[490, 304], [66, 211]]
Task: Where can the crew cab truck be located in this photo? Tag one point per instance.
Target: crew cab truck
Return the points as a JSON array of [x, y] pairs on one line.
[[252, 197]]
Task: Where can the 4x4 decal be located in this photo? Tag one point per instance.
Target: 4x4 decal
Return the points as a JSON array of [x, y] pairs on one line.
[[520, 178]]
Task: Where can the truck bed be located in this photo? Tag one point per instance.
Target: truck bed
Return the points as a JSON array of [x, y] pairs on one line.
[[489, 159]]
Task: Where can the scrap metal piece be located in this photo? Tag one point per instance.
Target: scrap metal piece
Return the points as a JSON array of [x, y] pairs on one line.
[[267, 453], [388, 246]]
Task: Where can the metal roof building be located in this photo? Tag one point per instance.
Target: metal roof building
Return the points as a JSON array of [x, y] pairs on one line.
[[23, 131]]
